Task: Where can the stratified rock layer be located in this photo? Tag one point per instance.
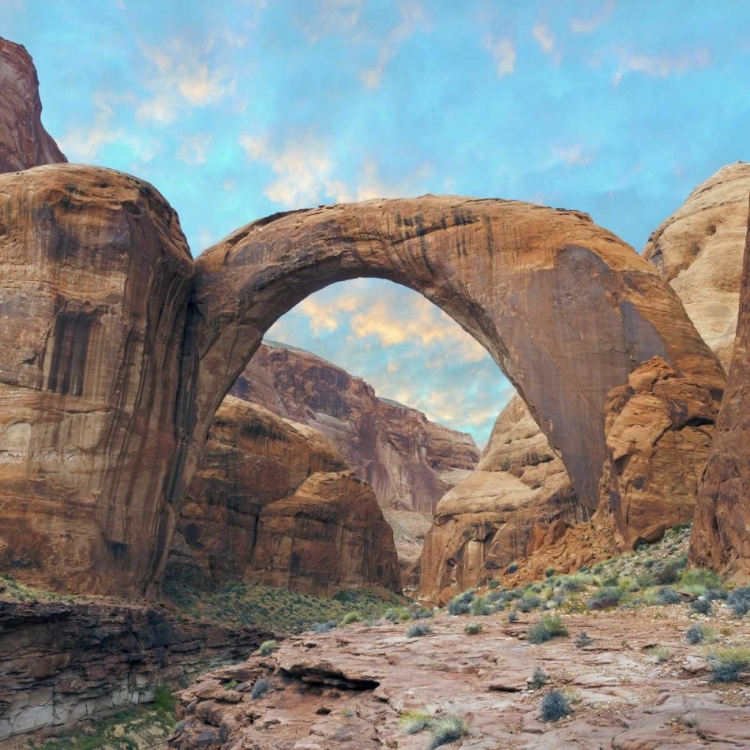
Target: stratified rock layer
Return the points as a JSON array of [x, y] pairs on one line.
[[721, 532], [403, 456], [61, 662], [252, 458], [24, 142], [699, 248], [330, 534], [511, 505], [94, 290]]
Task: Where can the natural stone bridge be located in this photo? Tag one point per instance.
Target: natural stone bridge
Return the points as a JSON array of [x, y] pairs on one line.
[[117, 348]]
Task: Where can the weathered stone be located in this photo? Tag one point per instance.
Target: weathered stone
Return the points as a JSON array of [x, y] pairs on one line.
[[252, 458], [401, 454], [501, 512], [24, 142], [330, 534], [94, 290], [720, 538], [699, 249]]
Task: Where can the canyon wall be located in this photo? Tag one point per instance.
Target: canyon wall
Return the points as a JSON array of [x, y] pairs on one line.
[[273, 501], [408, 460]]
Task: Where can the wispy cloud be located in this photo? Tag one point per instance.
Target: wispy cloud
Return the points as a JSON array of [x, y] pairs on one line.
[[413, 18], [332, 17], [194, 148], [543, 35], [576, 154], [504, 52], [179, 77], [587, 25], [661, 66]]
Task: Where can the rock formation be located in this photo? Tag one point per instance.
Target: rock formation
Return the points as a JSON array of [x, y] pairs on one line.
[[513, 503], [24, 142], [127, 422], [96, 276], [699, 249], [61, 662], [408, 460], [330, 534], [720, 538]]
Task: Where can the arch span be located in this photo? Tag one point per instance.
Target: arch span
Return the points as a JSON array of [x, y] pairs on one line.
[[564, 307]]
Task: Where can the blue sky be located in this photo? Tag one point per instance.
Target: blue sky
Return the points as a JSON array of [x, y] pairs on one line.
[[236, 109]]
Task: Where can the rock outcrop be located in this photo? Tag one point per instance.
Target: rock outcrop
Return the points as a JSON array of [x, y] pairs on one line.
[[720, 538], [24, 142], [330, 534], [64, 661], [698, 250], [408, 460], [519, 498], [252, 458]]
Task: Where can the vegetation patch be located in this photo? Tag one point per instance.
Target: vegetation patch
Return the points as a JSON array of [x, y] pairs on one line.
[[549, 627]]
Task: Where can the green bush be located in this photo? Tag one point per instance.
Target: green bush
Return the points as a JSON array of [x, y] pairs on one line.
[[582, 639], [549, 627], [539, 679], [727, 663], [267, 648], [479, 607], [413, 722], [260, 688], [699, 633], [739, 601], [532, 601], [473, 628], [555, 706], [446, 729], [461, 604], [350, 617], [417, 631], [605, 598]]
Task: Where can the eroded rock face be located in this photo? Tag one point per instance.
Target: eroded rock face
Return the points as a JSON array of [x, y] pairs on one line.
[[401, 454], [63, 662], [330, 534], [94, 290], [720, 538], [699, 251], [24, 142], [519, 496], [252, 458]]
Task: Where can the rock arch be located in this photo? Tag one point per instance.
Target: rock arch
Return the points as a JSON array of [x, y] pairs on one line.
[[566, 309]]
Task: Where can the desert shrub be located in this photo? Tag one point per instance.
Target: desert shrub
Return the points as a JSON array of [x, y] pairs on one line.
[[667, 574], [702, 606], [574, 583], [420, 613], [461, 604], [714, 594], [479, 607], [348, 712], [700, 577], [529, 602], [549, 572], [267, 648], [446, 729], [260, 689], [512, 568], [612, 581], [667, 596], [493, 583], [417, 631], [349, 618], [555, 706], [739, 600], [604, 598], [539, 679], [699, 633], [661, 653], [645, 580], [582, 639], [324, 627], [513, 616], [549, 627], [413, 722], [727, 663], [473, 628]]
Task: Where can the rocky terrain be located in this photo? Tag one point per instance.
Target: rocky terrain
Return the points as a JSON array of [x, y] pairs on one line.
[[699, 250], [648, 677], [63, 661]]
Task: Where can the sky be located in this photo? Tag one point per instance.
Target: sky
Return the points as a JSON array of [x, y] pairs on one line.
[[236, 109]]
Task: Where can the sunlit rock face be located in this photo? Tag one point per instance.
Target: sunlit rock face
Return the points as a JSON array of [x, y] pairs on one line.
[[699, 251], [720, 537], [505, 510], [24, 142], [94, 289], [408, 460]]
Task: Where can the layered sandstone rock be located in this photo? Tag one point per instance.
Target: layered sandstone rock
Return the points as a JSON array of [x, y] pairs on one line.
[[24, 142], [61, 662], [698, 250], [408, 460], [330, 534], [252, 458], [94, 288], [720, 538], [519, 497]]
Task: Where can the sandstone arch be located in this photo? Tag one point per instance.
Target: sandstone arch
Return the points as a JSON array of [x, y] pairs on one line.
[[566, 309]]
